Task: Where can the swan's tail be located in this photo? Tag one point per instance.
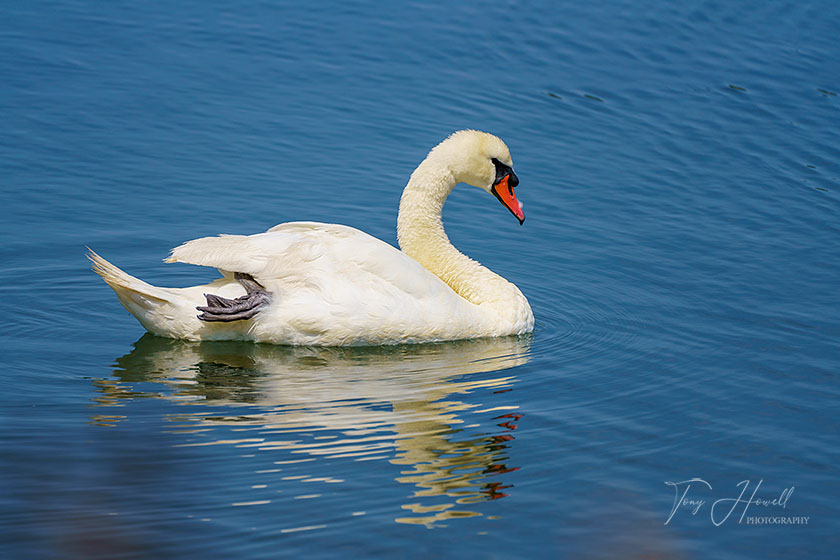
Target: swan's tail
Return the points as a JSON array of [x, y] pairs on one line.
[[141, 293], [142, 300]]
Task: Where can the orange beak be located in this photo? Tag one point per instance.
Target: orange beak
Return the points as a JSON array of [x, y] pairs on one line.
[[506, 196]]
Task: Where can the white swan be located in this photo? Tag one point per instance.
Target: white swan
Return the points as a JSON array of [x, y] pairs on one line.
[[307, 283]]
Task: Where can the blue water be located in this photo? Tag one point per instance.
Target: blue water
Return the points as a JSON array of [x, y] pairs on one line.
[[680, 170]]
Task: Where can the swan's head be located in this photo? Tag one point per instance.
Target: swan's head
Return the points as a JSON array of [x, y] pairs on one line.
[[482, 160]]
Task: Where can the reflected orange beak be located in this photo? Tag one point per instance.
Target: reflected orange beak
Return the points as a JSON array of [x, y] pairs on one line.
[[506, 196]]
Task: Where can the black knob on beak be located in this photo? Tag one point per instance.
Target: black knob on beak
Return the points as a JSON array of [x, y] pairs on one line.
[[502, 170]]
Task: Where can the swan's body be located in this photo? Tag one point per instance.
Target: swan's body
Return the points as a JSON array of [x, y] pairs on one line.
[[335, 285]]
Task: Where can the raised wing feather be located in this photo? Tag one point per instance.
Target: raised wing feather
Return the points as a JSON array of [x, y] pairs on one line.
[[312, 250], [235, 253]]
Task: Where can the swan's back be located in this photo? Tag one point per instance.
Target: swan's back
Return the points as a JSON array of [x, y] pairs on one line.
[[333, 284]]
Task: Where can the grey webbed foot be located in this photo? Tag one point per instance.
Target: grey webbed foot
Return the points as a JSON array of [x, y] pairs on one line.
[[244, 307]]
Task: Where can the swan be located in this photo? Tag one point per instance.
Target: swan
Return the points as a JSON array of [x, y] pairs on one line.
[[309, 283]]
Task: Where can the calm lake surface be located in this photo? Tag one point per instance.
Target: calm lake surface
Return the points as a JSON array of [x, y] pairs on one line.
[[680, 169]]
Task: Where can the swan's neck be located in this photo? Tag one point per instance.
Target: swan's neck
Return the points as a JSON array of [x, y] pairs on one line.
[[421, 236], [419, 224]]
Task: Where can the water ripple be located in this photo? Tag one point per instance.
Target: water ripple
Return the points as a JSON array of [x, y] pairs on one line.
[[577, 321]]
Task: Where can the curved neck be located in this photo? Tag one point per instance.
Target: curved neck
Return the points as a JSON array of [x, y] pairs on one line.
[[421, 236], [419, 223]]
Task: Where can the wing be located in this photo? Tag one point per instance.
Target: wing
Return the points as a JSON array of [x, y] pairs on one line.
[[312, 251]]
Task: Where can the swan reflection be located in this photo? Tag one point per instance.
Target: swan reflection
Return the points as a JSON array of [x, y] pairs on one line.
[[398, 403]]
